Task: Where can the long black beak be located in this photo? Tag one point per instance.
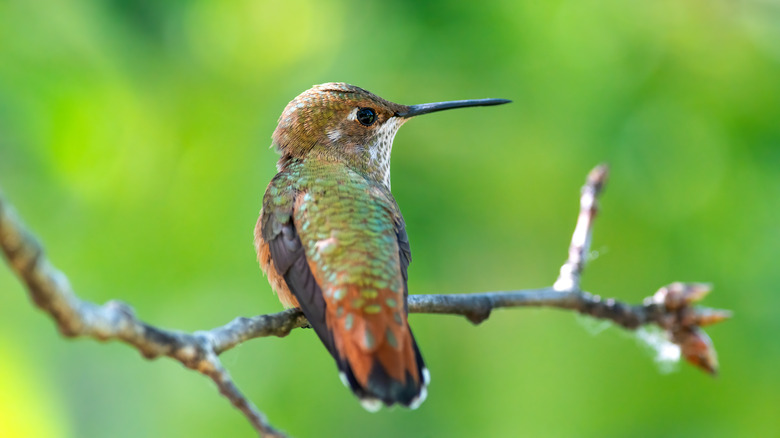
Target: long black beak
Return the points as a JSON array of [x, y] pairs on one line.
[[425, 108]]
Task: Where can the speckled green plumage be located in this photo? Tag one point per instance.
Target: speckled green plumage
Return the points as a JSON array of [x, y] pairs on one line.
[[352, 235], [347, 224]]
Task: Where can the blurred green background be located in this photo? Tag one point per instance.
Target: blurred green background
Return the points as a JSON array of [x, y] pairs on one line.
[[134, 141]]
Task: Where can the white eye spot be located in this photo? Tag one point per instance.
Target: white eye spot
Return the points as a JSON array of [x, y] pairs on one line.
[[352, 116]]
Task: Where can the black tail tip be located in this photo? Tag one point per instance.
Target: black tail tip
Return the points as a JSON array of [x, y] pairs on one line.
[[374, 404], [383, 391]]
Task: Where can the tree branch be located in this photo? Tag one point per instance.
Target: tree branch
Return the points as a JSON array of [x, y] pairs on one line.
[[670, 308]]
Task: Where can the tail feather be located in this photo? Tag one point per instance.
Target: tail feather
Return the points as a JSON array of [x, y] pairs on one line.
[[382, 388]]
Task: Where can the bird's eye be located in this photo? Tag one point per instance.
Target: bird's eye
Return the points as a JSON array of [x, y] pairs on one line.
[[366, 116]]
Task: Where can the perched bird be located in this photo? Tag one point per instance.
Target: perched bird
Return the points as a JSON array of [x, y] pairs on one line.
[[332, 241]]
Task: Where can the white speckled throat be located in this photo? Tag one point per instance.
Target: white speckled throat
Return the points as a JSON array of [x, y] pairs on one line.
[[379, 150]]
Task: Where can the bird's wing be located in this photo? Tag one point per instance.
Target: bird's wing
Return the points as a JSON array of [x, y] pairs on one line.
[[342, 249], [281, 255]]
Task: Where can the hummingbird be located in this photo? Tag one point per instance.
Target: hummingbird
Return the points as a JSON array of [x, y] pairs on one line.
[[331, 238]]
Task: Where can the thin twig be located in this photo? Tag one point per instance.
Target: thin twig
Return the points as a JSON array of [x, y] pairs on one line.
[[571, 271], [670, 308]]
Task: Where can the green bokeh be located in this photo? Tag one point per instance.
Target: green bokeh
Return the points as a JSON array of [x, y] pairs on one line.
[[134, 140]]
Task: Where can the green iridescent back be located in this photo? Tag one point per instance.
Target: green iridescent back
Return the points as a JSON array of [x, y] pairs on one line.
[[346, 222]]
